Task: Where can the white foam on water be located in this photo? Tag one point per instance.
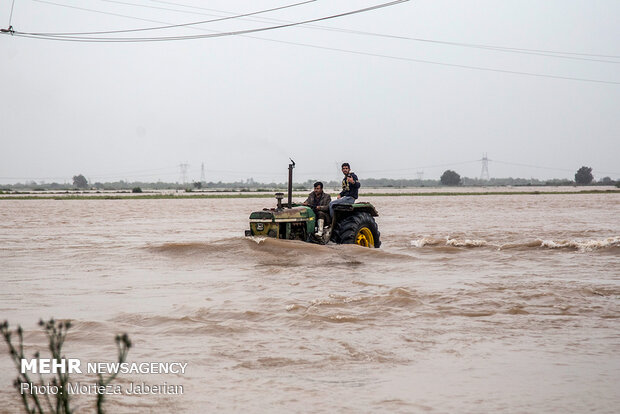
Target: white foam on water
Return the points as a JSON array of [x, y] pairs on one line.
[[465, 243], [582, 245], [426, 241], [257, 239]]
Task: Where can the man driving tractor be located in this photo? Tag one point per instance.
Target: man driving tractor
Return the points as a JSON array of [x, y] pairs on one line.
[[319, 201]]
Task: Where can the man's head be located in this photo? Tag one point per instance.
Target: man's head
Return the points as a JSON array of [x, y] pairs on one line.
[[346, 168], [318, 188]]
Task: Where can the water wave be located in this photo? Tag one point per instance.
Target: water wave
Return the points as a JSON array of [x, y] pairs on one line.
[[272, 362], [191, 248], [396, 297], [466, 243], [448, 242], [582, 245], [269, 251], [356, 309], [585, 245]]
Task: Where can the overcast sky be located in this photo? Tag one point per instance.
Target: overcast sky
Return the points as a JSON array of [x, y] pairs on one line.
[[243, 104]]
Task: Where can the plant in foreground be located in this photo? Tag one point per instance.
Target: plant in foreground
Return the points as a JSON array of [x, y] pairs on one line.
[[56, 332]]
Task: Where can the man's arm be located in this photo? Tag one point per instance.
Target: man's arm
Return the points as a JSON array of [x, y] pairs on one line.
[[353, 181]]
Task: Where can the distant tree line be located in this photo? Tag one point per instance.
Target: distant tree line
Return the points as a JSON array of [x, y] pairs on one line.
[[583, 176]]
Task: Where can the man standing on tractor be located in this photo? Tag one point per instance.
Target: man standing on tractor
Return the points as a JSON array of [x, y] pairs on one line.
[[319, 201], [350, 185]]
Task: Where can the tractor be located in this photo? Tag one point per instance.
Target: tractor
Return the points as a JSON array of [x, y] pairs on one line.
[[351, 224]]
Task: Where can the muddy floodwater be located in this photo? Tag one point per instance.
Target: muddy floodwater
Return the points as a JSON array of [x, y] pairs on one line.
[[486, 303]]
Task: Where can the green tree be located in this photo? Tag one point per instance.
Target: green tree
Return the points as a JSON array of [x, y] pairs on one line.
[[80, 181], [450, 177], [584, 175]]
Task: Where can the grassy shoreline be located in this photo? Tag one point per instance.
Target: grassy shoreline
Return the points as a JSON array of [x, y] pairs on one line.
[[270, 195]]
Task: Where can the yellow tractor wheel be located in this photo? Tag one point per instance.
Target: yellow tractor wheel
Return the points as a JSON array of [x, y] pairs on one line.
[[365, 238]]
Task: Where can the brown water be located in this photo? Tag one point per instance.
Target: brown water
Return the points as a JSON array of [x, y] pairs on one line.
[[473, 303]]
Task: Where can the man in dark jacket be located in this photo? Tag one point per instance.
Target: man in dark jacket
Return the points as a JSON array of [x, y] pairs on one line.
[[319, 201], [350, 187]]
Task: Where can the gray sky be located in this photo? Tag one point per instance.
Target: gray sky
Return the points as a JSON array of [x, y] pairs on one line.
[[244, 104]]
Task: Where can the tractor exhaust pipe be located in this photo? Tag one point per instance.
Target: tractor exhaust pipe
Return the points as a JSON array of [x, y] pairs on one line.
[[290, 183]]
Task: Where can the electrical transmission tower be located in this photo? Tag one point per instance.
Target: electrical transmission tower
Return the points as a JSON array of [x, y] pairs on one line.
[[484, 173], [183, 168], [420, 175], [202, 173]]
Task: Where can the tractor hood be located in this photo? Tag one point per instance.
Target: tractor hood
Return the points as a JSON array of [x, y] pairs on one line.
[[282, 215], [282, 223]]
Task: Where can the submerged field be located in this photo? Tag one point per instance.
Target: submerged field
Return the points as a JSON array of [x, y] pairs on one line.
[[495, 303]]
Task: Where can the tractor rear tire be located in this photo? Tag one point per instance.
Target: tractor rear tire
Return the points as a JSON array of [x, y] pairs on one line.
[[358, 228]]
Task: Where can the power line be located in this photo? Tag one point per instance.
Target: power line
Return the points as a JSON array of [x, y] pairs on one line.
[[401, 58], [547, 53], [144, 5], [188, 37], [550, 53], [11, 15], [183, 169], [241, 33], [135, 172], [431, 62], [423, 167], [547, 168], [539, 52], [531, 166], [153, 28], [33, 178]]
